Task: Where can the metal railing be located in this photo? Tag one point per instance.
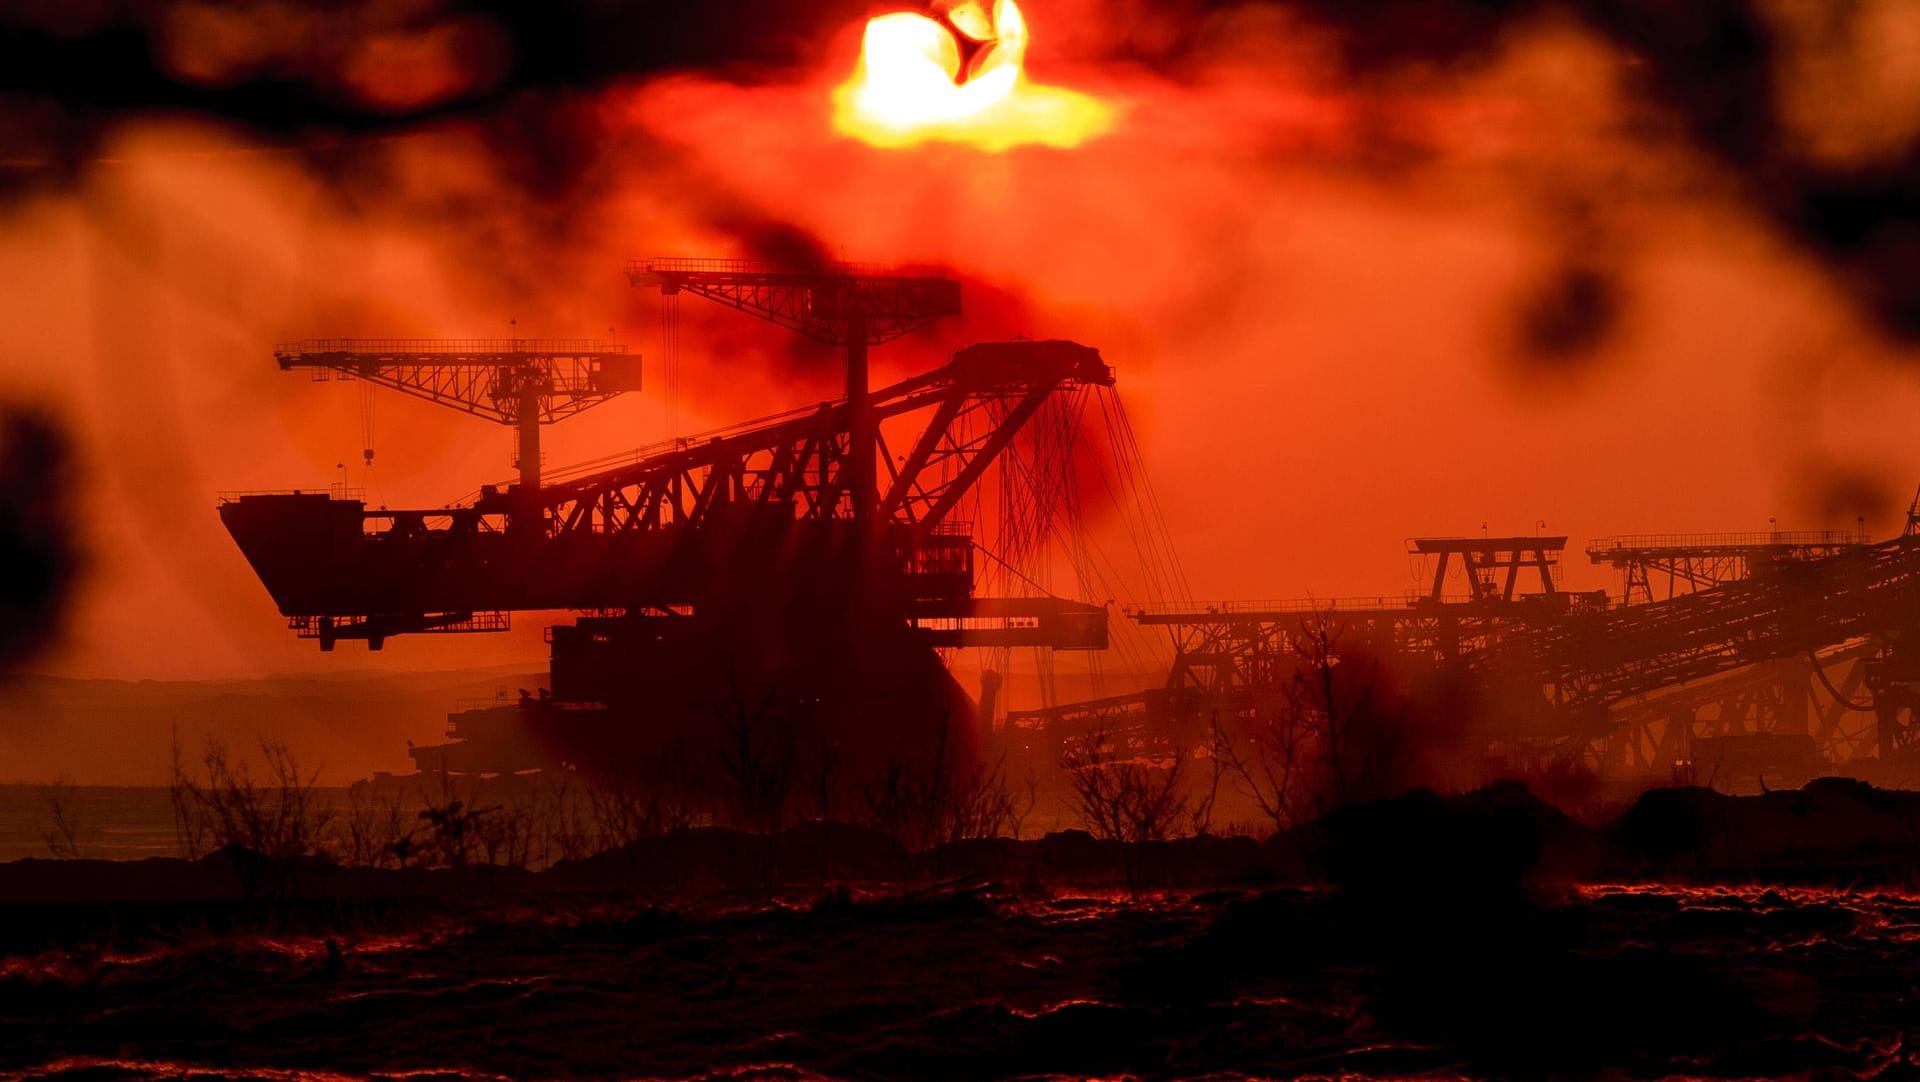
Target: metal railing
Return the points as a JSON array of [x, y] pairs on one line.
[[555, 347], [774, 269], [1303, 606], [1603, 546], [356, 626], [332, 492], [1407, 602]]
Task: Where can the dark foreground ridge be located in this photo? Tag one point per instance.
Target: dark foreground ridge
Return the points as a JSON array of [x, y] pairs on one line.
[[984, 981], [1424, 936], [1499, 838]]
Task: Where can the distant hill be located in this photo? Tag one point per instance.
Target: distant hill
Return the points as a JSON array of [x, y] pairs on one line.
[[346, 724], [120, 732]]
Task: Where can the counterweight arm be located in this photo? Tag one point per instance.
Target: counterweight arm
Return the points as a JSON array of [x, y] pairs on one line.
[[523, 382]]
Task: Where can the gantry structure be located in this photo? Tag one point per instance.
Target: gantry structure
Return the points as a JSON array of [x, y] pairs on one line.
[[1804, 642], [1229, 657], [1659, 567]]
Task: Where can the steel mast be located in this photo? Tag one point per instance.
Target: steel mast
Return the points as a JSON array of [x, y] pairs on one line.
[[853, 305]]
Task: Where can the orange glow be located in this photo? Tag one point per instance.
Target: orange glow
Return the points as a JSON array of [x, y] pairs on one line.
[[959, 80]]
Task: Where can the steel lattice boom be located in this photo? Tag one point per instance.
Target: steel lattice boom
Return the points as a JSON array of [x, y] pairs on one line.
[[977, 404]]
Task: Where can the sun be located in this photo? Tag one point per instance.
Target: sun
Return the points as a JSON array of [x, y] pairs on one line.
[[958, 76]]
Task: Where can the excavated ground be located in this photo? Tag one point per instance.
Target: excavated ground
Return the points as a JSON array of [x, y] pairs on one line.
[[1470, 937]]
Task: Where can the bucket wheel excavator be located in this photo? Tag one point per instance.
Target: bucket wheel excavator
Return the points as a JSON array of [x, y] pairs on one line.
[[804, 569]]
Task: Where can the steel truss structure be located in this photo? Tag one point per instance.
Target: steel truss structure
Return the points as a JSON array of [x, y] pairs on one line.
[[846, 304], [1815, 698], [1231, 657], [1801, 631]]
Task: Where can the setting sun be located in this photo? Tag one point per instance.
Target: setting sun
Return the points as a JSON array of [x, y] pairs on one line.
[[959, 78]]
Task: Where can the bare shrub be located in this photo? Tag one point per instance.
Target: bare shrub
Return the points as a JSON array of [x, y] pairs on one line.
[[1201, 805], [551, 817], [936, 797], [189, 823], [983, 805], [450, 829], [569, 821], [824, 757], [1328, 734], [63, 837], [528, 823], [370, 832], [278, 817], [1120, 797], [758, 755], [1265, 758], [510, 835], [626, 809]]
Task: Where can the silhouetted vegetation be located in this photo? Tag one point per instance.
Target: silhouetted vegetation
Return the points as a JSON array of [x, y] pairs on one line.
[[758, 754], [224, 805], [1123, 797], [1327, 735], [63, 837], [372, 831], [934, 797]]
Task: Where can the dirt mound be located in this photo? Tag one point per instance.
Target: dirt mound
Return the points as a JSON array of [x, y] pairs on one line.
[[1496, 838], [1829, 827]]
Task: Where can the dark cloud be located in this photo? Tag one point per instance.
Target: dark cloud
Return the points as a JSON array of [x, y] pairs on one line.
[[1569, 314], [1378, 35], [1846, 494], [298, 71], [1713, 69], [1867, 223], [38, 533], [778, 241]]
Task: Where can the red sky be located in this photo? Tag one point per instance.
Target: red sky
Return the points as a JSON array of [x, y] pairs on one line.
[[1314, 292]]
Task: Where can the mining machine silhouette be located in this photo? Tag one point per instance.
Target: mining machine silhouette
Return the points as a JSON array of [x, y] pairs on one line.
[[809, 565], [1728, 658], [814, 564]]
